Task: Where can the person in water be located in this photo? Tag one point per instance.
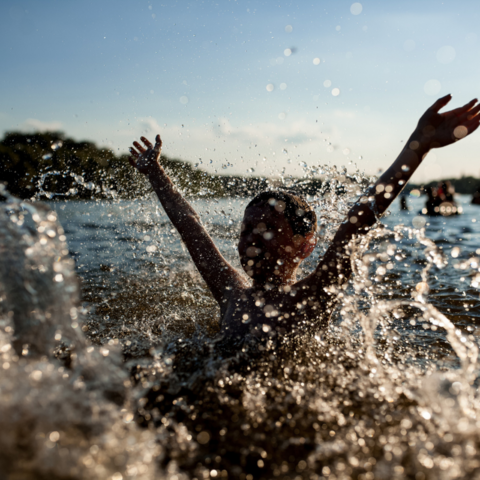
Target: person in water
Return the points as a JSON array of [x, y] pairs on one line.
[[476, 197], [278, 232]]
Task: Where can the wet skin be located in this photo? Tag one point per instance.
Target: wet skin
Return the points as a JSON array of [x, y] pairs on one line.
[[267, 239], [270, 254], [269, 250]]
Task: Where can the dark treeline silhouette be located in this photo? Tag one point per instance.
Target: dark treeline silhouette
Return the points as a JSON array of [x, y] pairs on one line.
[[464, 185], [46, 165], [54, 163], [50, 164]]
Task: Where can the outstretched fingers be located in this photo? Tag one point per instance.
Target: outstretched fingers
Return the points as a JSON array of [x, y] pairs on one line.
[[158, 144], [146, 142], [440, 103], [134, 152], [138, 147], [469, 114], [464, 109], [472, 124], [138, 152]]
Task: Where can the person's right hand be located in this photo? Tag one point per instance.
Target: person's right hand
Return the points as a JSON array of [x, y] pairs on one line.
[[144, 160], [442, 129]]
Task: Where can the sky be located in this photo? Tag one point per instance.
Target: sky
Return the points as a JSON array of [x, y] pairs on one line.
[[244, 87]]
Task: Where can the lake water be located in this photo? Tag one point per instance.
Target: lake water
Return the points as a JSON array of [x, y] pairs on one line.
[[141, 388]]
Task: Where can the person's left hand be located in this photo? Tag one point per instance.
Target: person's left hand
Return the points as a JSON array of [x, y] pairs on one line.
[[442, 129]]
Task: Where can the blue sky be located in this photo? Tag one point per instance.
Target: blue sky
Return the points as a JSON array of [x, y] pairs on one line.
[[241, 85]]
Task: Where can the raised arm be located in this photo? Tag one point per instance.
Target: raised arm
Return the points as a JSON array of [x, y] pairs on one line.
[[434, 130], [219, 275]]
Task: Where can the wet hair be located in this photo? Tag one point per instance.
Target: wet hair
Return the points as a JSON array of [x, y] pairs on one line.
[[298, 212]]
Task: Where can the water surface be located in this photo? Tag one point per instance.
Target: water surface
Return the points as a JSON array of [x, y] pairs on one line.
[[388, 391]]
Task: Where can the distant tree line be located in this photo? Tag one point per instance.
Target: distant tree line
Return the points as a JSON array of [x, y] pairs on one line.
[[49, 165], [52, 163]]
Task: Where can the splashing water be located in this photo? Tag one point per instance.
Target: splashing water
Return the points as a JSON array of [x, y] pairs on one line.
[[389, 390], [65, 406]]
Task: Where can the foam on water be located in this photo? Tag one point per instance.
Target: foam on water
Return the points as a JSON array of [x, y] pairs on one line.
[[365, 399], [65, 406]]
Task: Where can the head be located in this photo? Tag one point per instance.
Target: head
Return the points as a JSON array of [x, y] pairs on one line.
[[278, 232]]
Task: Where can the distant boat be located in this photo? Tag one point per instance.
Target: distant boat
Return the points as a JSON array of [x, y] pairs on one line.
[[440, 201]]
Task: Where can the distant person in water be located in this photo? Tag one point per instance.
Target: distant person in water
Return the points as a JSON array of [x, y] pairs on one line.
[[278, 232], [432, 205], [476, 197], [441, 200], [446, 191], [403, 202]]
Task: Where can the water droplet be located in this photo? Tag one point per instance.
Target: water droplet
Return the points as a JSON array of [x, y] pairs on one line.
[[446, 54], [422, 288], [327, 83], [184, 100], [460, 132], [203, 438], [419, 222], [289, 29], [283, 86], [356, 8], [432, 87]]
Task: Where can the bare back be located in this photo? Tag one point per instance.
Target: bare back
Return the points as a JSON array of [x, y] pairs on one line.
[[280, 310]]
